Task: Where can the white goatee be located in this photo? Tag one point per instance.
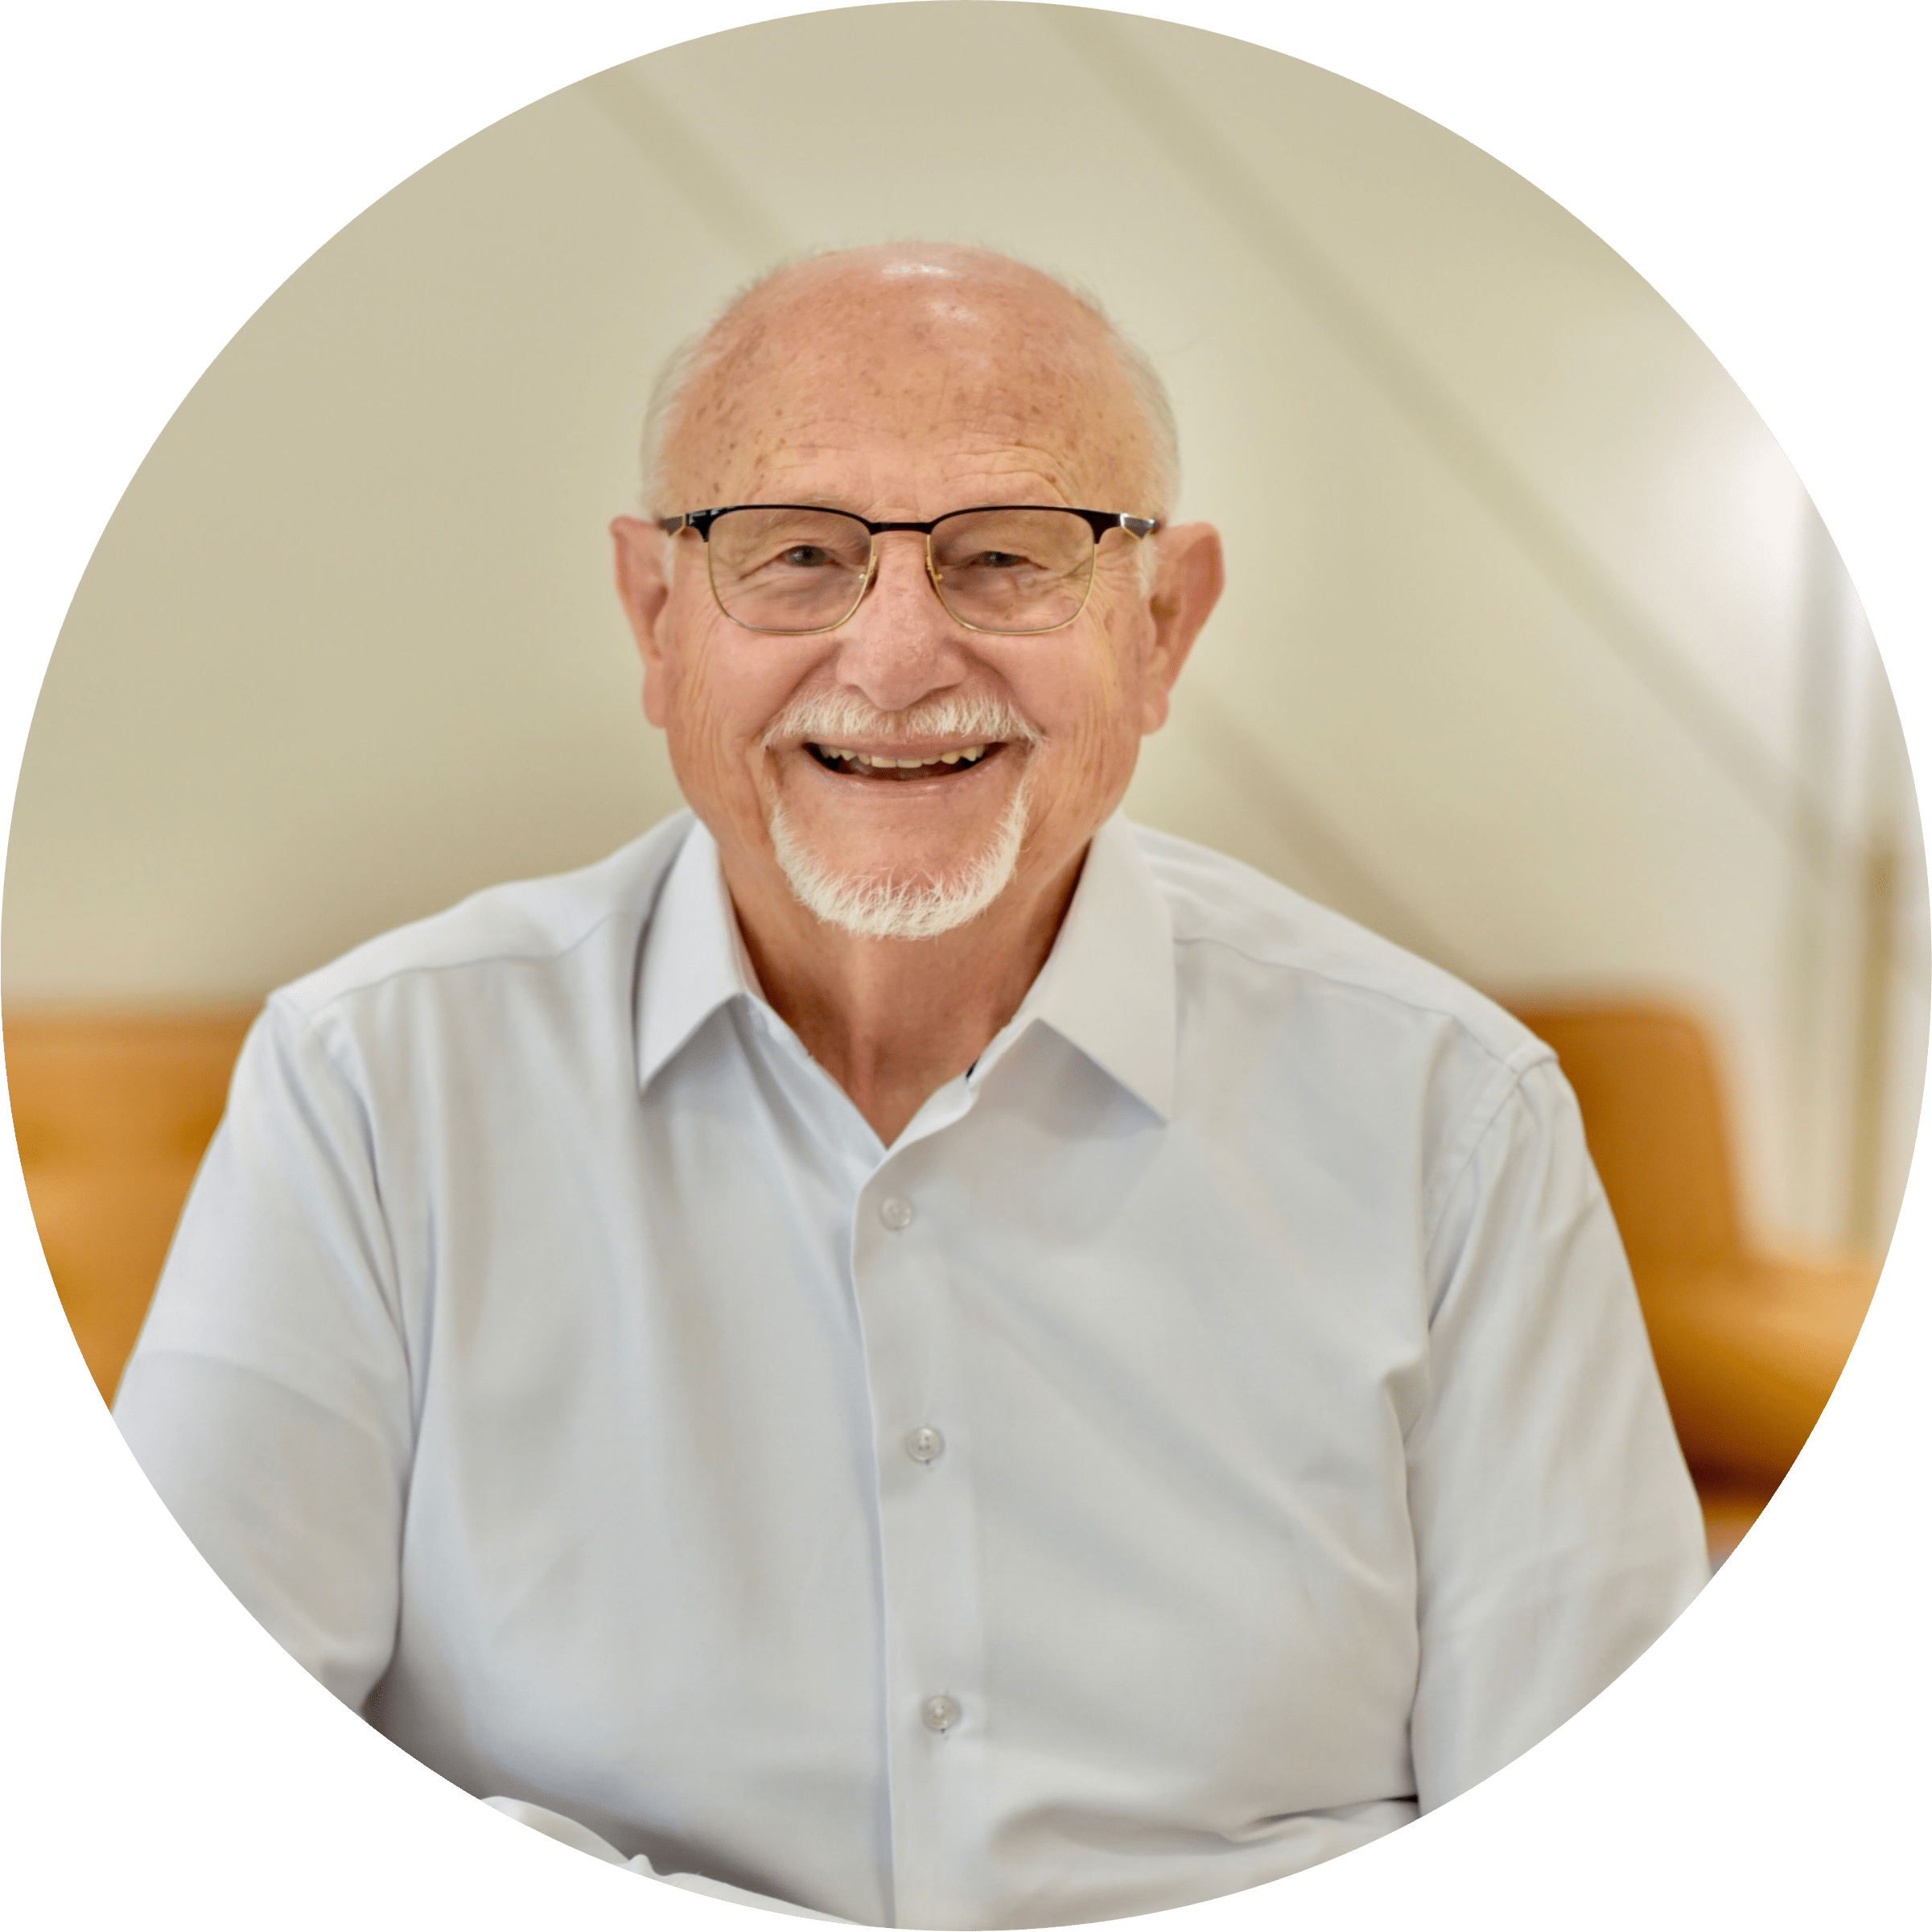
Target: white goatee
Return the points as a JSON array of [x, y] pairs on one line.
[[872, 907]]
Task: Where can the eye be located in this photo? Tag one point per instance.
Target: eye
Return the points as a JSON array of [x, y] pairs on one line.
[[997, 560], [805, 557]]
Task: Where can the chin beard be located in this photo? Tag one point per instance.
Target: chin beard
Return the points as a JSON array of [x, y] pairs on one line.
[[887, 908]]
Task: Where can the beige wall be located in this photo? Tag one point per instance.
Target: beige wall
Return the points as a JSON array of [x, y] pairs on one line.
[[1535, 655]]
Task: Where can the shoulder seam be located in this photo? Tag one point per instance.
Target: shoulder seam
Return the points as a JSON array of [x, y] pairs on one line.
[[506, 957], [1530, 1056], [1513, 1087]]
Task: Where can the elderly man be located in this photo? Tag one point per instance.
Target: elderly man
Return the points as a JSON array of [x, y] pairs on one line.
[[900, 1344]]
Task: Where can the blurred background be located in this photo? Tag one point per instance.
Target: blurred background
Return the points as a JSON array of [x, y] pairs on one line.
[[1535, 656]]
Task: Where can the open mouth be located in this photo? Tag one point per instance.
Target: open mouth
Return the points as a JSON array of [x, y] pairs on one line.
[[949, 764]]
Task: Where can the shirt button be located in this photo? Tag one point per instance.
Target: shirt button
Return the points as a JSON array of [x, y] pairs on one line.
[[895, 1211], [939, 1713], [923, 1445]]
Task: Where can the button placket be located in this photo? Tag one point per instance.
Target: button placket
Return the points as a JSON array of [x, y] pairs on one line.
[[934, 1615]]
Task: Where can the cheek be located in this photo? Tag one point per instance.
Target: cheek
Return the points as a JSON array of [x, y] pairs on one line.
[[722, 699], [705, 713], [1095, 716]]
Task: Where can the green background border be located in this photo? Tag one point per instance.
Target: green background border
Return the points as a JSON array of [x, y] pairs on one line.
[[1762, 165]]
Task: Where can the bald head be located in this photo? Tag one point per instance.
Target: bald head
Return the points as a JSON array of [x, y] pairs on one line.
[[911, 338]]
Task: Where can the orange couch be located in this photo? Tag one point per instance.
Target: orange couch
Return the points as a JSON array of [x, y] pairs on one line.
[[113, 1112], [1748, 1340]]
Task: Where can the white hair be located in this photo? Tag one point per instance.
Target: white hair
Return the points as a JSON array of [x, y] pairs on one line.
[[696, 353], [870, 906]]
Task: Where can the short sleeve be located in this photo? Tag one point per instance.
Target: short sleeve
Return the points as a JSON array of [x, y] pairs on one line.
[[1557, 1530], [268, 1397]]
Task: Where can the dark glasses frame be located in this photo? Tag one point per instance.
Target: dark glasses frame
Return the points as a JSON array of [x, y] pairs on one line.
[[1098, 521]]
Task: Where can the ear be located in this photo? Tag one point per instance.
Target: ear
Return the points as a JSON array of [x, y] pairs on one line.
[[1187, 586], [643, 589]]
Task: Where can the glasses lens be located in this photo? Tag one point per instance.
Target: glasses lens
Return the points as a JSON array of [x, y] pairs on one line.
[[788, 570], [1013, 570]]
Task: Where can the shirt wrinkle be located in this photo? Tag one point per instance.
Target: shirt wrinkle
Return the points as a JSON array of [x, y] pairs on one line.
[[240, 1365]]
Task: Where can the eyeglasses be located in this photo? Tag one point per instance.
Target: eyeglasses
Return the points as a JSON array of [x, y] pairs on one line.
[[1012, 568]]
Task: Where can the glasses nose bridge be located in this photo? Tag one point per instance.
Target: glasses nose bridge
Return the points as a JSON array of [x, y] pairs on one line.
[[906, 537]]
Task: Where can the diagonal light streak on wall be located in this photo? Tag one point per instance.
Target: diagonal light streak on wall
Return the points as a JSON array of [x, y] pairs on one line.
[[1366, 895], [1174, 125], [639, 114]]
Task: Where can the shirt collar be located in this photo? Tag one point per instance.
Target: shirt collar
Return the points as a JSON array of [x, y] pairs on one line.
[[695, 960], [1107, 987]]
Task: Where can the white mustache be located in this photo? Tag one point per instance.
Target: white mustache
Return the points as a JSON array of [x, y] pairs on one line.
[[844, 717]]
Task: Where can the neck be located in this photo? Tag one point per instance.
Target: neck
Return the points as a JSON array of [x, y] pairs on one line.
[[892, 1020]]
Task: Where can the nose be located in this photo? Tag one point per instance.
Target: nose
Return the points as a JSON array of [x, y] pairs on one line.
[[901, 644]]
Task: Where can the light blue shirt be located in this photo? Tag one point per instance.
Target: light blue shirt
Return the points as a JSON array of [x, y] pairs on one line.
[[1219, 1425]]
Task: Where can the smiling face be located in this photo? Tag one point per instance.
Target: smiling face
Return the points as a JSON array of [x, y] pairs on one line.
[[903, 760]]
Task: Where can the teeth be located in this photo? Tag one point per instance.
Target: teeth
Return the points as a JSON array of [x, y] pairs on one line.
[[970, 754]]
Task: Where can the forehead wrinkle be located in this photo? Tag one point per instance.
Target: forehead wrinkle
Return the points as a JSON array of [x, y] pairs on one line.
[[952, 472]]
